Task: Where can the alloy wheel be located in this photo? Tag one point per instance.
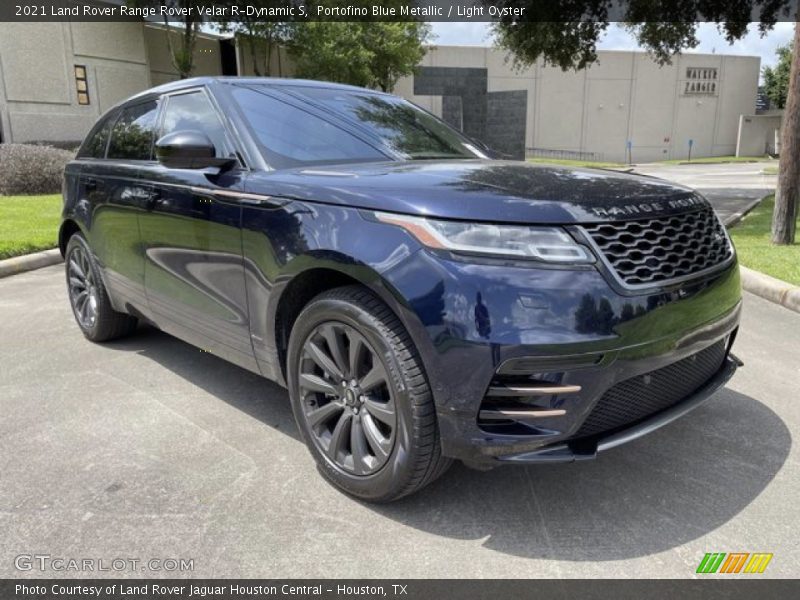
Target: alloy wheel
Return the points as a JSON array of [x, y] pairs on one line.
[[346, 399], [82, 287]]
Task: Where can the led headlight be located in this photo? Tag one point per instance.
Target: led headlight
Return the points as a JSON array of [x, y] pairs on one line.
[[549, 244]]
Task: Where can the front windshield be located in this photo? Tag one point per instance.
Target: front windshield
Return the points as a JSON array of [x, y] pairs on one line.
[[380, 125], [405, 128]]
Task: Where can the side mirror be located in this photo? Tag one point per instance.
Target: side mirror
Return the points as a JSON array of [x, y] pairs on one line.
[[189, 149]]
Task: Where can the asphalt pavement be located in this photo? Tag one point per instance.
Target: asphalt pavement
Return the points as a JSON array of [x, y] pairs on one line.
[[730, 187], [150, 448]]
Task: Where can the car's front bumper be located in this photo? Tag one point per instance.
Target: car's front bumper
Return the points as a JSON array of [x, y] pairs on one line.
[[568, 326], [588, 449]]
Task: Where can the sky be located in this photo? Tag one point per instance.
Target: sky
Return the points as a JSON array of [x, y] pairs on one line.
[[616, 38]]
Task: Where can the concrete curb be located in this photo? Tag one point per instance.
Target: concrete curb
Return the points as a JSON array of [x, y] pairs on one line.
[[769, 288], [755, 282], [29, 262], [733, 220]]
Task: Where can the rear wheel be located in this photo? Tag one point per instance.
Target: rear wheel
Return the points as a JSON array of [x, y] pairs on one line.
[[91, 306], [361, 398]]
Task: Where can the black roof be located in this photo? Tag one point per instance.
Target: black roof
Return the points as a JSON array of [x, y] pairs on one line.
[[173, 86]]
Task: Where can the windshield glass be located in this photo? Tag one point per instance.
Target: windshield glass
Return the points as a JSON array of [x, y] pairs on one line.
[[291, 137], [401, 125]]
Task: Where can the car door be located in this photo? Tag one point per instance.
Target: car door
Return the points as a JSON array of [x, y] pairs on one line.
[[192, 240], [111, 199]]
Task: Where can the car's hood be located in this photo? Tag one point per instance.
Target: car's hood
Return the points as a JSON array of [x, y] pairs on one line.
[[500, 191]]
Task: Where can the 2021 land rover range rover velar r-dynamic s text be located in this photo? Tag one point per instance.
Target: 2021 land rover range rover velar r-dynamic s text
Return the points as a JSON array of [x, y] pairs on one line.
[[421, 301]]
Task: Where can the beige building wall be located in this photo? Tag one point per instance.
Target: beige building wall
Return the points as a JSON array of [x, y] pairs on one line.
[[759, 134], [624, 96], [207, 55], [38, 90]]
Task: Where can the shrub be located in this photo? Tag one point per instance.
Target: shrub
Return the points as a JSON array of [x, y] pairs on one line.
[[29, 169]]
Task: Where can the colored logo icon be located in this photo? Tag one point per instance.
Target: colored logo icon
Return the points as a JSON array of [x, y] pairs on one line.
[[734, 562]]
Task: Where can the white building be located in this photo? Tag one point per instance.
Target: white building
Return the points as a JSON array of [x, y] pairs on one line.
[[624, 97], [56, 79]]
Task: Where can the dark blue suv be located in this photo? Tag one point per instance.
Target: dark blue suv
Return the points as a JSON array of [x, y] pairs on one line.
[[421, 301]]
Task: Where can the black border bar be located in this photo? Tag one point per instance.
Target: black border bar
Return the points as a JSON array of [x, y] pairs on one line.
[[210, 11], [732, 587]]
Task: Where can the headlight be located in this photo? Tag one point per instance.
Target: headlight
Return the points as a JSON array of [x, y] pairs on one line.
[[549, 244]]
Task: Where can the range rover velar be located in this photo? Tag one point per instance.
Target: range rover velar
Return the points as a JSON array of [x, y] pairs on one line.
[[421, 300]]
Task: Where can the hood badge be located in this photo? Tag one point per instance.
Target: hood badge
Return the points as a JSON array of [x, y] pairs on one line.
[[644, 208]]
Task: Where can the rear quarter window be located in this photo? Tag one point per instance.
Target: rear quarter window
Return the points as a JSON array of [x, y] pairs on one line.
[[132, 134], [95, 144]]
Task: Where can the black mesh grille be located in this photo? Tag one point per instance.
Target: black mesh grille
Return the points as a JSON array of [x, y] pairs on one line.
[[634, 399], [654, 250]]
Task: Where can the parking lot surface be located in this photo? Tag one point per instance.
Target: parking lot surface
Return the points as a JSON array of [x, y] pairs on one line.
[[150, 448], [730, 187]]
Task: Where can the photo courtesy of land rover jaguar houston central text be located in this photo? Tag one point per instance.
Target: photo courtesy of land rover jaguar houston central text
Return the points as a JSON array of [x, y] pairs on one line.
[[421, 299]]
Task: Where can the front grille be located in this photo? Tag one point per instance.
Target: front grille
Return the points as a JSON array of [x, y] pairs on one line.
[[655, 250], [639, 397]]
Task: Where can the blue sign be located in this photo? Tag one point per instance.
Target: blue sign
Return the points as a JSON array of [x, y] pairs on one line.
[[630, 144], [691, 143]]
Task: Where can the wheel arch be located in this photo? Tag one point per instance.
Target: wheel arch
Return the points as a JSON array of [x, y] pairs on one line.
[[68, 228], [305, 285]]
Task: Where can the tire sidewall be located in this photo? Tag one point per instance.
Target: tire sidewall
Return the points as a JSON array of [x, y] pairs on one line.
[[399, 467], [77, 240]]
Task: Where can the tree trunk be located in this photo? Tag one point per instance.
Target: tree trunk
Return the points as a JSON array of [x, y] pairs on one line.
[[785, 215], [251, 42]]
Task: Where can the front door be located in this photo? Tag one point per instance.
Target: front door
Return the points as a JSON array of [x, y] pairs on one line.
[[192, 241]]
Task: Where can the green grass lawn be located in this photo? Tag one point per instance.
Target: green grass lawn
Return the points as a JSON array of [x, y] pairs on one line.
[[710, 160], [751, 237], [28, 224], [578, 163], [770, 170]]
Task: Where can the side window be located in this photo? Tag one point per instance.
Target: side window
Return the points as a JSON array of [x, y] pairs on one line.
[[96, 142], [194, 111], [132, 134]]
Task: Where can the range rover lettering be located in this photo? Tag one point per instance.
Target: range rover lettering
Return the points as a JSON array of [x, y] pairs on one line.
[[422, 301]]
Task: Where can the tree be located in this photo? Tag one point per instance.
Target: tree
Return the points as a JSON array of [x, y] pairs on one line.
[[776, 79], [181, 54], [784, 217], [367, 54], [565, 34], [260, 37]]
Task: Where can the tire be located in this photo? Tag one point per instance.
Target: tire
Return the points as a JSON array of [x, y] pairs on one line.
[[392, 412], [88, 297]]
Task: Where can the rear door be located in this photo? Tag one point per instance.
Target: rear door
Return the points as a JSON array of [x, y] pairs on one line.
[[111, 198], [192, 240]]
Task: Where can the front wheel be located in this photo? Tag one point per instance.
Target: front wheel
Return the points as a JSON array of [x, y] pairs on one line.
[[361, 398]]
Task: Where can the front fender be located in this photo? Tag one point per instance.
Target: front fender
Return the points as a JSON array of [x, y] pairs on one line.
[[313, 248]]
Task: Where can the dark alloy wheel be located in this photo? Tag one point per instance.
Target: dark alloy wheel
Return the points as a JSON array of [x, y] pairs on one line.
[[88, 297], [361, 398], [82, 288], [346, 398]]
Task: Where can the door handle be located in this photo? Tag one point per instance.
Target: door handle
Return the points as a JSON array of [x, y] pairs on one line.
[[92, 183], [153, 198]]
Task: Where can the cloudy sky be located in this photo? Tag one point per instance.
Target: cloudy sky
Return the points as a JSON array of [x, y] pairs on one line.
[[616, 38]]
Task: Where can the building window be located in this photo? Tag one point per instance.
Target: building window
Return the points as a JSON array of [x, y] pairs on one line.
[[81, 84]]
